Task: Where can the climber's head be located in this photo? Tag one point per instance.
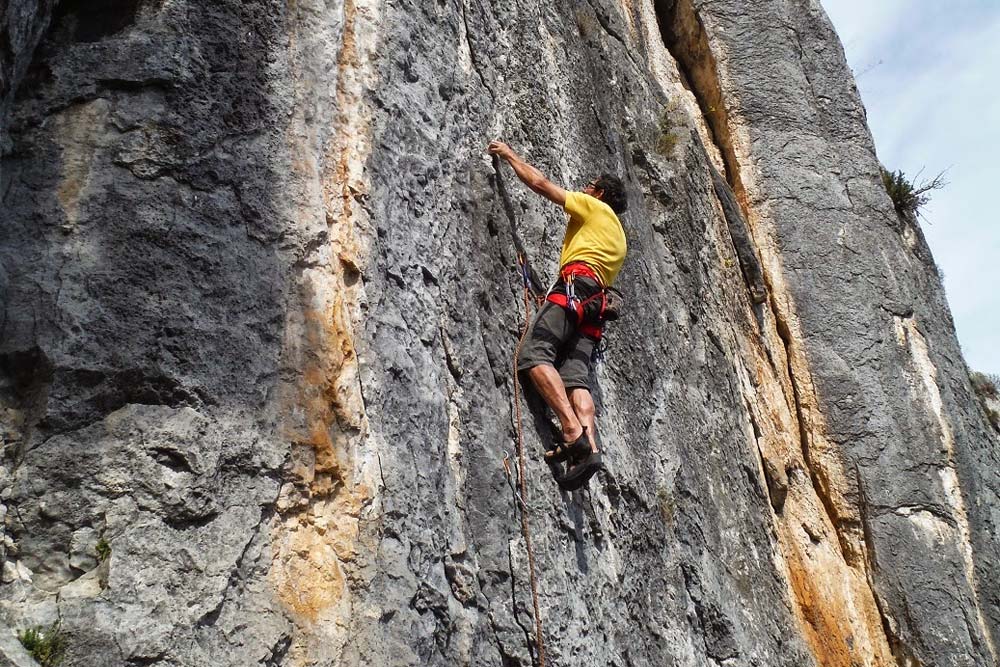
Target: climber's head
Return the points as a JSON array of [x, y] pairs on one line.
[[610, 190]]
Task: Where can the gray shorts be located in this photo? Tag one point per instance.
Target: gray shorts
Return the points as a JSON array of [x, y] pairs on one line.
[[553, 339]]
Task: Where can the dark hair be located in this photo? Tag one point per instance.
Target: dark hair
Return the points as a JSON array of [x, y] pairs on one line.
[[614, 192]]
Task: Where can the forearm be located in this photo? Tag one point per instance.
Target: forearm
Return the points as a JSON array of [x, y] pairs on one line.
[[530, 176]]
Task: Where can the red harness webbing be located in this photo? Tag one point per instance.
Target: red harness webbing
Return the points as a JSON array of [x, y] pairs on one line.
[[568, 273]]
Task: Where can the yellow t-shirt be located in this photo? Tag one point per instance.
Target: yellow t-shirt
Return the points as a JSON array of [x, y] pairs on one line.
[[594, 235]]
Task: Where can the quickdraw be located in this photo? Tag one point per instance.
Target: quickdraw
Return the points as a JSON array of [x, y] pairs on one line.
[[528, 282]]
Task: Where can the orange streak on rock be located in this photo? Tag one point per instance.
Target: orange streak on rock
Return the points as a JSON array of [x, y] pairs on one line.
[[317, 540], [322, 529], [78, 129], [840, 621]]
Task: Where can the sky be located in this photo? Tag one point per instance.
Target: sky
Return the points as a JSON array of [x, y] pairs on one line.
[[928, 75]]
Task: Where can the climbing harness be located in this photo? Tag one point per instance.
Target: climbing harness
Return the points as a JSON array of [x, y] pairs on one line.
[[529, 295], [589, 321]]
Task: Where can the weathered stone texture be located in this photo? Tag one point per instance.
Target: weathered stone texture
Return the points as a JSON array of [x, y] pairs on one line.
[[260, 302], [22, 24], [879, 359]]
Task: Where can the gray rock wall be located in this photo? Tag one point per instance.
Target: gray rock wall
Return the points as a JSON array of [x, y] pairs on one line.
[[260, 305], [22, 24], [895, 440]]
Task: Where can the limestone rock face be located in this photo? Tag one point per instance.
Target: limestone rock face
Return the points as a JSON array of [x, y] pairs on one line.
[[22, 24], [260, 300]]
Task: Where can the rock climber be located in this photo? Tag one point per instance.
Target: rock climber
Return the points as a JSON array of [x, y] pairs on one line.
[[557, 353]]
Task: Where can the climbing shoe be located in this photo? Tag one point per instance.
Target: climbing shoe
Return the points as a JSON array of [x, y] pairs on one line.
[[564, 450], [580, 472]]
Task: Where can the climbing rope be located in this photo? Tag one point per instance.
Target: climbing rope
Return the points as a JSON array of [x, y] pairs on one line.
[[522, 477]]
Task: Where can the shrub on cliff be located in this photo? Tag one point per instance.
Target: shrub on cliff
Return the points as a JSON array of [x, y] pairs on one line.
[[46, 645], [986, 389], [666, 138], [994, 416], [103, 550], [985, 385], [907, 195]]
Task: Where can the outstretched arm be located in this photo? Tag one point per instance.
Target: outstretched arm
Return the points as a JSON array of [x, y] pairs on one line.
[[531, 177]]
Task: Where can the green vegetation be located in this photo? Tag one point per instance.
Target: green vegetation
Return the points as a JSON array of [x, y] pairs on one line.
[[586, 23], [666, 505], [666, 139], [46, 645], [986, 389], [907, 195], [985, 386], [103, 549], [994, 416]]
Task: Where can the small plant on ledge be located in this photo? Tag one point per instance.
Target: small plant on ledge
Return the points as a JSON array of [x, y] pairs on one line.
[[985, 385], [907, 195], [103, 549], [666, 139], [46, 645], [986, 389]]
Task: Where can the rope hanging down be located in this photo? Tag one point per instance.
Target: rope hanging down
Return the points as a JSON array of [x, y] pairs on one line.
[[522, 477], [531, 285]]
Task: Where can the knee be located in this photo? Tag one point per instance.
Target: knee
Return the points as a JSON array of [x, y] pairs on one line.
[[538, 373]]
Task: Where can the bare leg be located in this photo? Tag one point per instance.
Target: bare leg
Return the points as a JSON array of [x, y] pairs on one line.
[[550, 386], [583, 406]]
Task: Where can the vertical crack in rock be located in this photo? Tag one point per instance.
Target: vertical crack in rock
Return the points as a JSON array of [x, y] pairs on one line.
[[630, 14], [820, 481], [526, 626], [454, 444], [775, 477], [317, 551], [909, 337], [605, 23], [686, 40], [903, 654], [750, 266], [838, 617], [508, 208], [473, 59]]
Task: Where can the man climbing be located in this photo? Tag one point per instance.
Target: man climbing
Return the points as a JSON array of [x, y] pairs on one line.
[[563, 334]]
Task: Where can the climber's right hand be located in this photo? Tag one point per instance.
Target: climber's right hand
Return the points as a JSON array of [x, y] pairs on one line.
[[500, 149]]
